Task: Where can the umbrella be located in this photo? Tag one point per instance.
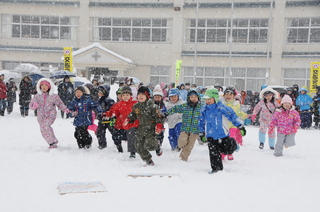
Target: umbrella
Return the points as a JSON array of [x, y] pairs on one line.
[[28, 68], [62, 74], [35, 78], [79, 81], [134, 80], [9, 74]]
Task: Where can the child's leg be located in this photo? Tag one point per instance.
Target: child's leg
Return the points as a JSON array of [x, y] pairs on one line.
[[144, 145], [290, 140], [87, 139], [117, 136], [101, 135], [214, 154], [78, 136], [46, 130], [186, 150], [160, 138], [131, 139], [303, 119], [309, 120], [174, 134], [279, 145]]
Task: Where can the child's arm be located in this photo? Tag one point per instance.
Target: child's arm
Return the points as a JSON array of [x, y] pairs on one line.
[[175, 109], [273, 123], [296, 120], [34, 104], [201, 123]]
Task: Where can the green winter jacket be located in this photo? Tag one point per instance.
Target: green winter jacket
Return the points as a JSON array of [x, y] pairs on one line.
[[148, 114]]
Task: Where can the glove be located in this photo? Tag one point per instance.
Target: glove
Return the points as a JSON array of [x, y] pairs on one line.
[[112, 121], [74, 113], [203, 137], [67, 111], [35, 105], [242, 130], [253, 118], [159, 128]]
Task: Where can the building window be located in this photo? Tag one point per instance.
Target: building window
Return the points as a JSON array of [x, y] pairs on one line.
[[303, 30], [241, 79], [39, 27], [219, 30], [131, 30], [159, 74], [299, 76]]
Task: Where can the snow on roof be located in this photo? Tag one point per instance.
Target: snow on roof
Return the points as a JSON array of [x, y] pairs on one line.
[[98, 45]]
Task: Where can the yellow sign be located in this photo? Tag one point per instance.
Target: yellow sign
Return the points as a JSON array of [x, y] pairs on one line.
[[314, 76], [67, 55], [178, 69]]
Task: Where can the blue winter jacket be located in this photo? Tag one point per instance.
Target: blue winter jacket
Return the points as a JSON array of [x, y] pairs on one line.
[[84, 107], [214, 120], [304, 100]]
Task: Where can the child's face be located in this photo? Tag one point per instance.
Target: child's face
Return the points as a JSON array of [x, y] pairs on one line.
[[125, 96], [100, 94], [174, 98], [302, 92], [229, 96], [157, 98], [44, 87], [79, 94], [268, 96], [210, 101], [142, 97], [193, 98], [286, 105], [119, 96]]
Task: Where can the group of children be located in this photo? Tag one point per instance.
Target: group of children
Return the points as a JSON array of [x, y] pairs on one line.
[[141, 121]]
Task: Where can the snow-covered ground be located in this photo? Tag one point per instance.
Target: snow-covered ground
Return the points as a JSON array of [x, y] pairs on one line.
[[255, 181]]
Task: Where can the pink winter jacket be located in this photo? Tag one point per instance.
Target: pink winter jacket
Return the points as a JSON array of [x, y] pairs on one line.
[[287, 121]]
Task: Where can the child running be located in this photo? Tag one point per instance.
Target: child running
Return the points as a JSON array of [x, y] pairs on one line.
[[267, 106], [150, 125], [46, 101], [229, 99], [174, 120], [287, 121], [213, 124], [158, 100], [81, 107], [189, 129]]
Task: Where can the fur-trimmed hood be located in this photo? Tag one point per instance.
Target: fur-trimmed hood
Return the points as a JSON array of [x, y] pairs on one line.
[[275, 93], [52, 89]]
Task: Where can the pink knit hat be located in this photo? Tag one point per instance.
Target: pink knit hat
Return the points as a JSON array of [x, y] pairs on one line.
[[286, 99], [45, 83]]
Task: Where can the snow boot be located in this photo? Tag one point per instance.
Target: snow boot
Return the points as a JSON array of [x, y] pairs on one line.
[[119, 147], [159, 151], [261, 145], [132, 155], [230, 157], [178, 149], [150, 163], [53, 145], [213, 171]]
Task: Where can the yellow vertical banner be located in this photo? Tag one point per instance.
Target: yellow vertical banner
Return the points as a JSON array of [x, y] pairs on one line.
[[314, 76], [178, 69], [67, 58]]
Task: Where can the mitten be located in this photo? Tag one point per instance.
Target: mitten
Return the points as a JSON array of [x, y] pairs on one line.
[[74, 113], [242, 130], [253, 118], [203, 137], [159, 128], [112, 121], [67, 111], [35, 105]]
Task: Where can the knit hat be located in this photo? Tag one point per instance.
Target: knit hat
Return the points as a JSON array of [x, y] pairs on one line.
[[119, 91], [157, 91], [45, 83], [286, 99], [174, 92], [144, 90], [211, 93], [81, 88], [126, 89], [230, 89]]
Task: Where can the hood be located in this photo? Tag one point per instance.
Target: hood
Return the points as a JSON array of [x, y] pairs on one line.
[[52, 89], [303, 89], [268, 89], [192, 92], [106, 87]]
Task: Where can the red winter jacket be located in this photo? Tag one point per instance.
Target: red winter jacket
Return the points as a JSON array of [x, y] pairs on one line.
[[3, 90], [121, 110]]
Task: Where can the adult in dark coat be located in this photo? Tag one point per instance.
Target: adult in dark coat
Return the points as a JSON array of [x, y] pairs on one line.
[[11, 94], [66, 93], [25, 95]]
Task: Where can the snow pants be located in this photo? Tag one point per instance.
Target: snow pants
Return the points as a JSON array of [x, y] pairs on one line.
[[101, 134], [10, 107], [125, 135], [306, 119], [174, 134], [46, 129], [146, 143], [262, 138], [236, 134], [3, 106], [186, 143], [218, 146], [83, 136], [283, 140]]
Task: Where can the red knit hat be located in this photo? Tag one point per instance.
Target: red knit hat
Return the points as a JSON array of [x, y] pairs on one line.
[[45, 83]]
